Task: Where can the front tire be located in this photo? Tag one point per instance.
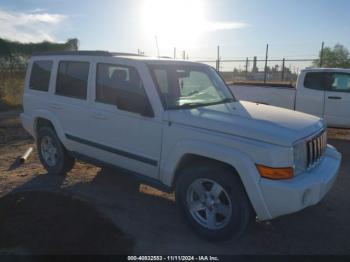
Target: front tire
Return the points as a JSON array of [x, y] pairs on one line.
[[213, 201], [53, 156]]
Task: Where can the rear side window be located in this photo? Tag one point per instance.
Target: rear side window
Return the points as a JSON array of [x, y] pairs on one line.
[[72, 79], [40, 75]]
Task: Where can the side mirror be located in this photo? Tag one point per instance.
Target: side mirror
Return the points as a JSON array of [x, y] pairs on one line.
[[134, 102]]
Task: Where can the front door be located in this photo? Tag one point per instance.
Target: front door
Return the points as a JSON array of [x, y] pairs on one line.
[[121, 135], [337, 101]]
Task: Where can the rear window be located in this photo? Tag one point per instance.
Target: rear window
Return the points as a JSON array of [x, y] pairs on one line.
[[40, 75], [72, 79]]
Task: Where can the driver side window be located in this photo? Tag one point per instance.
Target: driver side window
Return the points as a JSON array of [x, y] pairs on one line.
[[341, 83]]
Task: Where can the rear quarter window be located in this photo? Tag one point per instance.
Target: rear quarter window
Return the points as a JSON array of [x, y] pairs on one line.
[[40, 75]]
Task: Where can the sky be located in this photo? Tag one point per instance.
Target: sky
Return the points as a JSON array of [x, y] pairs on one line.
[[242, 28]]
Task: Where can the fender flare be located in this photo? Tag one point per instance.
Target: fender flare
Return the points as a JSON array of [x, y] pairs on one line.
[[45, 114]]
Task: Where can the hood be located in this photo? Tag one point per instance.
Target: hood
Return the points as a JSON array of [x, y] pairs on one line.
[[270, 124]]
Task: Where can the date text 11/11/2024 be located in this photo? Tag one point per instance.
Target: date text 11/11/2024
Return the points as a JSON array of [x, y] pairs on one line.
[[173, 258]]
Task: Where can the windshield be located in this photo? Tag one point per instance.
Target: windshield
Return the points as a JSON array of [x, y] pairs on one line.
[[189, 86]]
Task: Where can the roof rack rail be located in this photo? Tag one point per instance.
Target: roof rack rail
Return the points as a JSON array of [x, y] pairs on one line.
[[124, 54], [86, 53]]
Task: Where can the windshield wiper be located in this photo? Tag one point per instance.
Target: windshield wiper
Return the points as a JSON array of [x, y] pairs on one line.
[[189, 105], [198, 104]]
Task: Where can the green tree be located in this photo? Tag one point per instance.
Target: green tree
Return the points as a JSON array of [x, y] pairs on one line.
[[338, 57], [12, 48], [14, 54]]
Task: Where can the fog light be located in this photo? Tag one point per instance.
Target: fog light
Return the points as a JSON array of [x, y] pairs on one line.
[[306, 197]]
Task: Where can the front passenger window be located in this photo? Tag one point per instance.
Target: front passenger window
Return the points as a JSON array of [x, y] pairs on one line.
[[110, 78]]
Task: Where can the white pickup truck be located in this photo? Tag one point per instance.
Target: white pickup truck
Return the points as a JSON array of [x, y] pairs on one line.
[[177, 126], [321, 92]]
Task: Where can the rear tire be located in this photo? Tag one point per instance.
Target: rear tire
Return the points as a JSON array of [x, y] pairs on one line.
[[53, 156], [214, 201]]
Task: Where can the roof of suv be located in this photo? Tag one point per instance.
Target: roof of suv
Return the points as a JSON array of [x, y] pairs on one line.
[[109, 54], [82, 53]]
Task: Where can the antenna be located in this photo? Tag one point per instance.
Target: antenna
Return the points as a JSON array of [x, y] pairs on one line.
[[157, 45]]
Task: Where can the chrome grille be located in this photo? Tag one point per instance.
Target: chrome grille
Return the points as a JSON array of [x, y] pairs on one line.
[[316, 148]]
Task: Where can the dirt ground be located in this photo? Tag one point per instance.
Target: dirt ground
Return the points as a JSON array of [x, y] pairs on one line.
[[144, 217]]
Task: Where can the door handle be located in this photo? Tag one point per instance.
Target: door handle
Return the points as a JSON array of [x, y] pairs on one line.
[[334, 97], [55, 106], [99, 116]]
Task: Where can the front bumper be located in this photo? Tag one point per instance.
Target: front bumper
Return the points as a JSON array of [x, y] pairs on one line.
[[307, 189]]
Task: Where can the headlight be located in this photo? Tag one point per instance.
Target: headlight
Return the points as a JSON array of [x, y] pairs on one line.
[[300, 157]]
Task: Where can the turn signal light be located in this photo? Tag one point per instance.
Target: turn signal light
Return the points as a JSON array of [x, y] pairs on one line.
[[275, 173]]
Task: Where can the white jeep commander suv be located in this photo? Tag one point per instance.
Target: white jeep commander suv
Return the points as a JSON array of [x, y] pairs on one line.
[[177, 126]]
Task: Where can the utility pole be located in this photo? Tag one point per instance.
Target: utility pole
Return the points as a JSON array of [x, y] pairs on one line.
[[218, 59], [266, 57], [283, 65], [174, 53], [157, 46], [246, 68], [321, 56], [183, 55]]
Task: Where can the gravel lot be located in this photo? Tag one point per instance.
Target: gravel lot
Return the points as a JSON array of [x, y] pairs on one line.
[[149, 219]]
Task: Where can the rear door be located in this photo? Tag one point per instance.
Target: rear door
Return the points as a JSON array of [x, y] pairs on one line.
[[337, 100], [70, 100]]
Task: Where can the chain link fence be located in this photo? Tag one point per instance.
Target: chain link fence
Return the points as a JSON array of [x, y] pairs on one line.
[[260, 70], [12, 73]]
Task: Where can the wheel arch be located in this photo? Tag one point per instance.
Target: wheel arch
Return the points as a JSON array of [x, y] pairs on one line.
[[40, 122], [191, 159], [46, 118]]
